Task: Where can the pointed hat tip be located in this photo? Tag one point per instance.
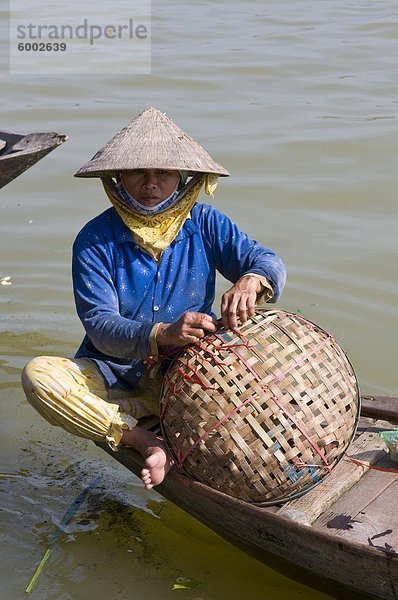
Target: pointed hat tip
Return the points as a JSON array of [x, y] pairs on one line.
[[153, 109]]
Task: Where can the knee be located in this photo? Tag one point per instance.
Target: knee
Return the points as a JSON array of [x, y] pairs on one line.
[[36, 373], [30, 374], [40, 383]]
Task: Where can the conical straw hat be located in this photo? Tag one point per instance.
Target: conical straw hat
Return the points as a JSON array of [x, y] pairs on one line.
[[151, 141]]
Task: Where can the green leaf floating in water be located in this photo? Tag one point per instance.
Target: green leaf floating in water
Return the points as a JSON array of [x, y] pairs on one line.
[[185, 583]]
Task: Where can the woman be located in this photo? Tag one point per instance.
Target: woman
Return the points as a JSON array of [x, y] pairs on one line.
[[144, 283]]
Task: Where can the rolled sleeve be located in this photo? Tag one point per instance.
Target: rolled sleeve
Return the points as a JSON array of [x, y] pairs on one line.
[[267, 292], [153, 344]]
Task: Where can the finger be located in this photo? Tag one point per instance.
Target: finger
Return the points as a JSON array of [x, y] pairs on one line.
[[190, 318], [224, 303], [251, 305], [210, 326], [202, 321], [224, 310], [224, 314], [246, 307], [242, 309], [187, 339], [192, 331], [230, 313], [196, 332]]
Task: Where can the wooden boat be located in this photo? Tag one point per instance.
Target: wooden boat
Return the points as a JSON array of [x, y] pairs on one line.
[[18, 152], [344, 532]]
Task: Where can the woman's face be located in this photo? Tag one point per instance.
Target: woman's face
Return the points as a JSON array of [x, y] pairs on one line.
[[150, 186]]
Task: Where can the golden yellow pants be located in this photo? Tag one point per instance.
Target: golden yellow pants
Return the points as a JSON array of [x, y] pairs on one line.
[[71, 393]]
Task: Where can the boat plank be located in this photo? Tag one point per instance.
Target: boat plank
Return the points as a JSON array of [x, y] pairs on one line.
[[369, 488], [367, 510], [366, 447]]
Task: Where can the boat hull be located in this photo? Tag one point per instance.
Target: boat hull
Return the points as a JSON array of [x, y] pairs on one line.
[[361, 568], [334, 533], [20, 152]]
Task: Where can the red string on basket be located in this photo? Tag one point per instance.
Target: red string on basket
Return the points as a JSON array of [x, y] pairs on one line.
[[168, 393], [195, 377], [299, 464], [304, 433], [182, 457], [206, 350], [360, 463], [299, 426]]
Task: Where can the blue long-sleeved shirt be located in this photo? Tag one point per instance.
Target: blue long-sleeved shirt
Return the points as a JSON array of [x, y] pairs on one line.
[[120, 291]]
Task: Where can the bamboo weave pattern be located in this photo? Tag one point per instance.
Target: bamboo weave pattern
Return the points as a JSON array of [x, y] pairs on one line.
[[263, 416]]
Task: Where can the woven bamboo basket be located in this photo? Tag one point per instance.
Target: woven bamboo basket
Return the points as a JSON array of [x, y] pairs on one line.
[[264, 415]]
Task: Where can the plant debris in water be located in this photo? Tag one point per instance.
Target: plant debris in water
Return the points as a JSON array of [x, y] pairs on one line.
[[185, 583]]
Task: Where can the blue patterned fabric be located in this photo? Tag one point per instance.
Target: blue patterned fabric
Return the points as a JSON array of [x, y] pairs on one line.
[[140, 208], [120, 291]]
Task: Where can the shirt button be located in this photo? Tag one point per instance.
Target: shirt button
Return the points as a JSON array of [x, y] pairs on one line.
[[156, 307], [138, 373]]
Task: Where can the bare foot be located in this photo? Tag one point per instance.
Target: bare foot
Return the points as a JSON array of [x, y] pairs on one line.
[[157, 461], [156, 466]]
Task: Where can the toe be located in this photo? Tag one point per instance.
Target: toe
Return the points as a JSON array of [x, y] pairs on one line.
[[145, 475]]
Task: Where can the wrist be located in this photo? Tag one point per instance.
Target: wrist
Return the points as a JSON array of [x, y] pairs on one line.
[[265, 292], [161, 334], [255, 281]]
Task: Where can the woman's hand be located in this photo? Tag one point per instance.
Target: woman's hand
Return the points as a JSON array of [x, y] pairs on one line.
[[189, 328], [239, 301]]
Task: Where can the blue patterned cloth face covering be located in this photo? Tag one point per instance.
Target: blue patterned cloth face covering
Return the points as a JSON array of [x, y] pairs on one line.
[[140, 208]]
